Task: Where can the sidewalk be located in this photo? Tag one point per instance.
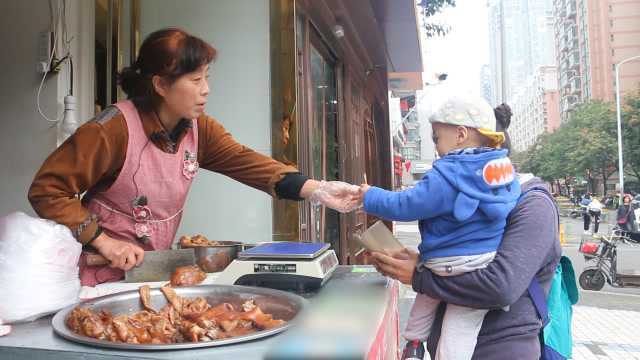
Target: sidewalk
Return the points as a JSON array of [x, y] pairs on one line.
[[597, 333]]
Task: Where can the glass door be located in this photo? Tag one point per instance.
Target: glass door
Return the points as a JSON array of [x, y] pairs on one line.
[[323, 131]]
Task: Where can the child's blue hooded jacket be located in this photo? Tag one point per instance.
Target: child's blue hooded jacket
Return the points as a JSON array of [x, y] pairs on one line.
[[462, 203]]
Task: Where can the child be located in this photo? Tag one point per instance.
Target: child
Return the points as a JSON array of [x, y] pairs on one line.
[[462, 205]]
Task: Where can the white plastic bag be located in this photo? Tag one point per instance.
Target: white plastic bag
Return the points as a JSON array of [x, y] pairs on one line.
[[38, 267]]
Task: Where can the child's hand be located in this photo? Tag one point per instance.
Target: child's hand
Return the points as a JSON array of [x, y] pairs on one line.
[[337, 195], [364, 188]]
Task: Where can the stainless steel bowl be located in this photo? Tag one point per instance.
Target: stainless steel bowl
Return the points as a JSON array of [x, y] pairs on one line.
[[216, 258], [247, 246], [282, 305]]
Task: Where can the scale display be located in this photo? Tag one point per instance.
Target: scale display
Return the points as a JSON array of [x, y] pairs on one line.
[[289, 250]]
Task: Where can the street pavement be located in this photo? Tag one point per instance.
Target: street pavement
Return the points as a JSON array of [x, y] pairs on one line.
[[605, 323]]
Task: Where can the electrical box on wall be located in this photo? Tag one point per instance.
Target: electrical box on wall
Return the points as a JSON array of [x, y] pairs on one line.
[[46, 62], [45, 44]]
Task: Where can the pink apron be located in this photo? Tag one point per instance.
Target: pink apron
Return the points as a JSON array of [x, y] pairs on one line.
[[163, 179]]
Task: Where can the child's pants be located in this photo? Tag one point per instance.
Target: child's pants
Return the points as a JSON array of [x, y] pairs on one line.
[[461, 325]]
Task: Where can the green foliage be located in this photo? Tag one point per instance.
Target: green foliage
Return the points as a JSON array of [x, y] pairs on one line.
[[430, 8], [587, 146], [631, 133]]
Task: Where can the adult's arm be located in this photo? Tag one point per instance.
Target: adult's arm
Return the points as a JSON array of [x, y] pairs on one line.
[[531, 232], [220, 152], [93, 153]]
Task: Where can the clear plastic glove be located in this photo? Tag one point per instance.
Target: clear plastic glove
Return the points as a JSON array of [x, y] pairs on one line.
[[337, 195]]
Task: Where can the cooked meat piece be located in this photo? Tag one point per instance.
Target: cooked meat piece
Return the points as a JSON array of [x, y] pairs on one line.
[[184, 241], [120, 325], [145, 298], [191, 331], [200, 240], [181, 320], [172, 298], [248, 305], [92, 327], [213, 333], [85, 322], [262, 320], [270, 323], [74, 320], [192, 309], [161, 331], [196, 240], [239, 331], [187, 276], [229, 325], [139, 330]]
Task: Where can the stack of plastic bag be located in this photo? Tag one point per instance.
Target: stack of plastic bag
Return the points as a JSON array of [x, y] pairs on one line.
[[38, 268]]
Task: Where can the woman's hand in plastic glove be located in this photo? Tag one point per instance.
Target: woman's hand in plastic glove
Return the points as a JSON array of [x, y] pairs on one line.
[[121, 254], [337, 195]]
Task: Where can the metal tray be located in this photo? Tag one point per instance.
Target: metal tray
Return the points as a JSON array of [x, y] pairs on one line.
[[282, 305]]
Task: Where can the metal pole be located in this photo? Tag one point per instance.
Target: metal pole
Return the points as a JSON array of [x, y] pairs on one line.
[[503, 70], [619, 120]]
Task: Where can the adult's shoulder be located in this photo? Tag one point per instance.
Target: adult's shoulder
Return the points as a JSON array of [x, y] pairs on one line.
[[210, 124], [535, 201], [109, 121]]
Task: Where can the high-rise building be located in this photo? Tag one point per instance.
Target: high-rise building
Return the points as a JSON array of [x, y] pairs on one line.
[[495, 50], [536, 108], [541, 33], [486, 85], [521, 40], [591, 37], [568, 57], [613, 30], [527, 40], [517, 64]]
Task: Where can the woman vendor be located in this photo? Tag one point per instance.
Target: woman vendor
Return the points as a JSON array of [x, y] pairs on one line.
[[136, 160]]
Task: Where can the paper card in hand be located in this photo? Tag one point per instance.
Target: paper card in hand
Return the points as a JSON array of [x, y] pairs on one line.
[[378, 238]]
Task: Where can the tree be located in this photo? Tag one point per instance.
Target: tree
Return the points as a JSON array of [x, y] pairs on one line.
[[430, 8], [631, 133], [595, 152], [584, 146], [548, 159]]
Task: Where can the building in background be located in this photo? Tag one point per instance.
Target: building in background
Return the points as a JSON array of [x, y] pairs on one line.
[[536, 108], [591, 37], [541, 33], [568, 42], [516, 45], [496, 58], [486, 85], [522, 60], [612, 35], [407, 140]]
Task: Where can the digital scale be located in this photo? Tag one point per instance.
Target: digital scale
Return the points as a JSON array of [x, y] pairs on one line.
[[282, 265]]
